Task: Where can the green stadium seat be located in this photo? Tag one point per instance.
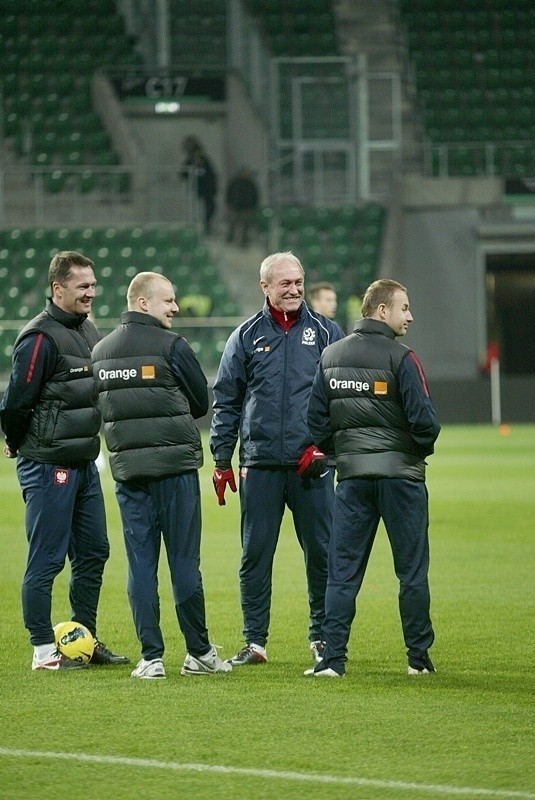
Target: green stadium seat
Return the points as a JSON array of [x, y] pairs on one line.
[[520, 162], [87, 181], [55, 181], [265, 218], [12, 124]]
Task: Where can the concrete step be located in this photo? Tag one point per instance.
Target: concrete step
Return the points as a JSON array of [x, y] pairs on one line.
[[240, 269]]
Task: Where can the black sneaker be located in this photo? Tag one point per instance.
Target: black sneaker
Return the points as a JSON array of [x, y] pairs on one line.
[[250, 654], [101, 655], [317, 650], [57, 661]]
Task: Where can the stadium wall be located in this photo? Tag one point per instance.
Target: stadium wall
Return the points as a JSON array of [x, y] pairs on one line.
[[439, 265], [468, 402]]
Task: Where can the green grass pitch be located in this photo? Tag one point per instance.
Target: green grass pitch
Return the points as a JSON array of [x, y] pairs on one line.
[[268, 732]]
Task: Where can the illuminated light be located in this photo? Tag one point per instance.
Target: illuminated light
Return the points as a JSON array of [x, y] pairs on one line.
[[166, 108]]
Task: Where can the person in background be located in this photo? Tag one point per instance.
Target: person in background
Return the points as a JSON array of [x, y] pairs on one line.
[[200, 172], [51, 423], [322, 298], [260, 397], [151, 389], [370, 400], [242, 198]]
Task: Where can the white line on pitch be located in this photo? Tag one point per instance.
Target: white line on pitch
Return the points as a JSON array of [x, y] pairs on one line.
[[149, 763]]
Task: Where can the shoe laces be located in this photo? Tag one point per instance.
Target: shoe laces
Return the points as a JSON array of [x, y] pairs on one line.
[[212, 654]]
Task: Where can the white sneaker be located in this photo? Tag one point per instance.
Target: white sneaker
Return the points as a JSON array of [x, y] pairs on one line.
[[425, 666], [323, 673], [209, 664], [149, 670]]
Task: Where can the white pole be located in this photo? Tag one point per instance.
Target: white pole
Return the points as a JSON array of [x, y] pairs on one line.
[[495, 394]]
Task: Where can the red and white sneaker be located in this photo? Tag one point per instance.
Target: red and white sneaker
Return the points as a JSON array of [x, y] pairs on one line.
[[250, 654], [56, 661]]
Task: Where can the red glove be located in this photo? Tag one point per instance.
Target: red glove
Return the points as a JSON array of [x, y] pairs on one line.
[[312, 463], [221, 477]]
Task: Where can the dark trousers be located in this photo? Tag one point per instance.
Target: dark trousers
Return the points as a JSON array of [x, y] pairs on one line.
[[64, 517], [209, 204], [359, 505], [241, 222], [264, 493], [168, 508]]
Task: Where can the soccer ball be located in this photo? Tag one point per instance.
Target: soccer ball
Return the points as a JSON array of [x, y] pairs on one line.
[[74, 641]]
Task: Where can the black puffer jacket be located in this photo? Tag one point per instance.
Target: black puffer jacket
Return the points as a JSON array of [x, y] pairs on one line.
[[65, 424], [148, 426], [370, 394]]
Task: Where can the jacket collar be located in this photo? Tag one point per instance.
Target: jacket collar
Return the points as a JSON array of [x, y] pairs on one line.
[[64, 317], [140, 318], [270, 312], [367, 325]]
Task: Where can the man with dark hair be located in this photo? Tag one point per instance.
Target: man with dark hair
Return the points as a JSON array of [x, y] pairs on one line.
[[323, 299], [51, 423], [152, 389], [260, 396], [370, 399]]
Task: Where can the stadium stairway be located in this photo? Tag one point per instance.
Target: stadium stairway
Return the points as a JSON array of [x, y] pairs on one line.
[[240, 268]]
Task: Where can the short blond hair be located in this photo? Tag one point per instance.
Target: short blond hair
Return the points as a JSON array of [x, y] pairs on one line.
[[379, 292], [141, 285]]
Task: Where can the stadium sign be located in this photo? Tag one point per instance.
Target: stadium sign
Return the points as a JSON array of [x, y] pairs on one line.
[[155, 85]]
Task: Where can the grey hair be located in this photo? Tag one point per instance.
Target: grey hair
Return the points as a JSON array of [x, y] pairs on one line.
[[267, 265]]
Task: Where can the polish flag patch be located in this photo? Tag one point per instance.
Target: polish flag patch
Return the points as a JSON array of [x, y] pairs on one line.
[[61, 477]]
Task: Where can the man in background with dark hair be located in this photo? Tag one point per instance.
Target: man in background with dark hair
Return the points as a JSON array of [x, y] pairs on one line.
[[51, 423], [322, 298]]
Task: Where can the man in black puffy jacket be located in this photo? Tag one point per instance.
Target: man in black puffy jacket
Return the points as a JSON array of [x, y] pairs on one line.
[[152, 388], [51, 422], [371, 401]]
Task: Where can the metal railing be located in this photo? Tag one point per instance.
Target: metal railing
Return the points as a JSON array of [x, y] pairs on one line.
[[90, 195]]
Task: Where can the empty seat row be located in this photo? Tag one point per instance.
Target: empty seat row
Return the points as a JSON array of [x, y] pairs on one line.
[[340, 245], [118, 255], [450, 6], [112, 237], [467, 161]]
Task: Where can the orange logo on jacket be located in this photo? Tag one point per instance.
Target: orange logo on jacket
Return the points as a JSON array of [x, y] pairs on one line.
[[380, 387], [148, 373]]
